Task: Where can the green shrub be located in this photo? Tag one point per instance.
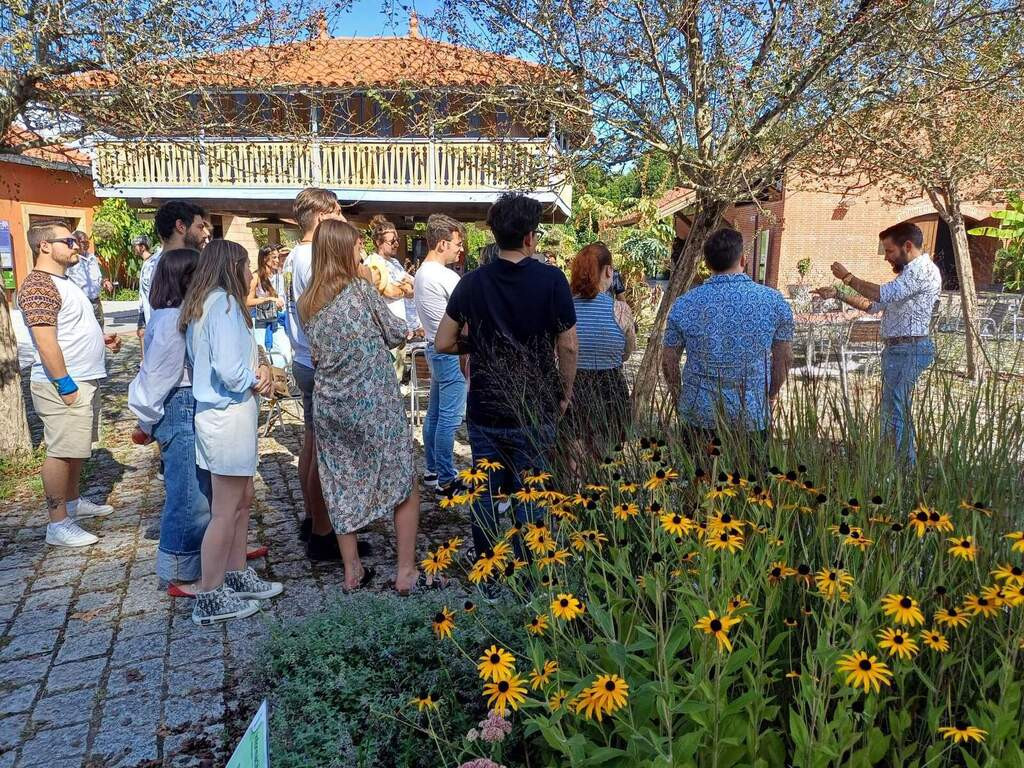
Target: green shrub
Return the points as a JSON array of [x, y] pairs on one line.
[[340, 684]]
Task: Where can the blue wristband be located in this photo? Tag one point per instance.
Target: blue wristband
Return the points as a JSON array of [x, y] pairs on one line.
[[65, 386]]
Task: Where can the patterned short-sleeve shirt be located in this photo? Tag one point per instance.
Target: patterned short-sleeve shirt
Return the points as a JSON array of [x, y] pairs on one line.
[[727, 327], [907, 302]]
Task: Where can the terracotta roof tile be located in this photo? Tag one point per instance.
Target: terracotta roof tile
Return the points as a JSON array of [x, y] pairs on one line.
[[53, 153]]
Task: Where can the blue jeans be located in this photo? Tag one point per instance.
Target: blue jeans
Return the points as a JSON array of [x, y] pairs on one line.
[[902, 364], [445, 410], [517, 449], [187, 490]]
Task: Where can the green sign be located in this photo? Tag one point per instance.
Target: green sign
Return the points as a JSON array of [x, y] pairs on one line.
[[253, 751]]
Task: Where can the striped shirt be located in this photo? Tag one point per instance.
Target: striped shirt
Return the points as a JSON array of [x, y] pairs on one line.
[[602, 342]]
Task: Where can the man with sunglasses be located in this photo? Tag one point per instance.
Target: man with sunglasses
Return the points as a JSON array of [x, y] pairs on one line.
[[70, 361], [88, 275]]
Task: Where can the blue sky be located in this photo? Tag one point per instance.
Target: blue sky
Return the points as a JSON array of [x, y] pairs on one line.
[[377, 17]]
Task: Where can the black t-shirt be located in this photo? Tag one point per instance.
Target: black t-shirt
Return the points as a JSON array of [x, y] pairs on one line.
[[514, 312]]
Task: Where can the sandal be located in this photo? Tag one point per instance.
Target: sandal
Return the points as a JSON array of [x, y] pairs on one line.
[[256, 554], [422, 585], [173, 590], [368, 574]]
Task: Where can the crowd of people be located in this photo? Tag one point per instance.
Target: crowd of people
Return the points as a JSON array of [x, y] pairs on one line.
[[531, 360]]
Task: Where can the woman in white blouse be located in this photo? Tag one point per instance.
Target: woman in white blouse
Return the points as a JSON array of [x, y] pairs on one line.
[[226, 380]]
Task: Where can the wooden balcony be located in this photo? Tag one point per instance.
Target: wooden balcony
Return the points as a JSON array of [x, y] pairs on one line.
[[394, 165]]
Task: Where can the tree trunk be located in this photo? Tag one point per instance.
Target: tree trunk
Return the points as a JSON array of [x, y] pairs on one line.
[[14, 434], [976, 367], [646, 385]]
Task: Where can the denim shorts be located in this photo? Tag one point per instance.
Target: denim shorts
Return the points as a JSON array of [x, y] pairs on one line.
[[304, 381]]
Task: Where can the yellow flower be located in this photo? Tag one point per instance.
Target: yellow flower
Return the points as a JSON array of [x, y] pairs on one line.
[[628, 488], [541, 543], [952, 618], [724, 540], [935, 640], [718, 627], [942, 523], [863, 671], [980, 606], [425, 701], [995, 595], [963, 547], [481, 570], [488, 465], [919, 519], [1011, 574], [602, 697], [538, 625], [535, 478], [1015, 595], [761, 499], [976, 506], [562, 512], [447, 502], [595, 488], [529, 495], [856, 538], [506, 694], [676, 524], [474, 475], [832, 582], [897, 643], [580, 539], [737, 603], [903, 609], [541, 677], [558, 557], [435, 563], [625, 510], [659, 478], [779, 571], [1017, 537], [962, 732], [444, 622], [453, 545], [496, 664], [566, 607], [557, 701], [720, 492], [724, 521]]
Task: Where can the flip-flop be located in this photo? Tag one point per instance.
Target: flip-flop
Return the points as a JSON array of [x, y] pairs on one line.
[[173, 590], [368, 574], [257, 553], [422, 585]]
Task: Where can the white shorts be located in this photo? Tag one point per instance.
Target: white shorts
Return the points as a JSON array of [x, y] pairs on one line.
[[226, 438]]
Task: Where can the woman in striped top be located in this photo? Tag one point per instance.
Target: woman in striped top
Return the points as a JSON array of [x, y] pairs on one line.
[[599, 413]]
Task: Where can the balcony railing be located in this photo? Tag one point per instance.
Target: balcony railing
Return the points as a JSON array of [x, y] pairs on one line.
[[397, 164]]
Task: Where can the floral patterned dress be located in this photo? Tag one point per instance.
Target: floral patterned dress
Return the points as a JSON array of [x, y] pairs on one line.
[[364, 443]]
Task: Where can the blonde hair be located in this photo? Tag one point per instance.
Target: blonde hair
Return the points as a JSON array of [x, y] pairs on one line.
[[312, 202], [335, 265], [222, 264], [380, 226]]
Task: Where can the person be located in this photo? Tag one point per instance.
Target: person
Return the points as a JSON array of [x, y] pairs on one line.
[[161, 397], [906, 305], [520, 319], [263, 300], [446, 405], [225, 382], [141, 251], [738, 340], [88, 275], [312, 205], [399, 287], [367, 465], [70, 361], [599, 413]]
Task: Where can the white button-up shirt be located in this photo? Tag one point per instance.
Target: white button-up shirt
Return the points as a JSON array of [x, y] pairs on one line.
[[86, 275], [907, 303]]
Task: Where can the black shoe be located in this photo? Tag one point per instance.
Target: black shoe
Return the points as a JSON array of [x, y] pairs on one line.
[[305, 528], [454, 488], [325, 548]]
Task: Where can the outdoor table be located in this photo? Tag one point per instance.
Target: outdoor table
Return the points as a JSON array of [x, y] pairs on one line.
[[823, 326]]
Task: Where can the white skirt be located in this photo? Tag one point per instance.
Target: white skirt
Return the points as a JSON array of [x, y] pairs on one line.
[[226, 438]]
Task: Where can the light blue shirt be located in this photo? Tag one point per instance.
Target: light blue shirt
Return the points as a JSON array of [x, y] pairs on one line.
[[727, 327], [86, 274], [223, 353], [163, 368]]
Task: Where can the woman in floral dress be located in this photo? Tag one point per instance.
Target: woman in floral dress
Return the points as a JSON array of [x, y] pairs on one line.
[[364, 444]]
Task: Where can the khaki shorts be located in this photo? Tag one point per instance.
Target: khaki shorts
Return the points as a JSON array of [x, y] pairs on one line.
[[68, 430]]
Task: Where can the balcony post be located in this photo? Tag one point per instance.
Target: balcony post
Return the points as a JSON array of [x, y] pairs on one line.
[[204, 164], [314, 147], [431, 162]]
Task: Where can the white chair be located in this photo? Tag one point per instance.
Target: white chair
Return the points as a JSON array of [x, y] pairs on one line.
[[419, 382]]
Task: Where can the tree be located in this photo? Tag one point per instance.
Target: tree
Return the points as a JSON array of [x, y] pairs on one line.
[[727, 92], [14, 435], [115, 225]]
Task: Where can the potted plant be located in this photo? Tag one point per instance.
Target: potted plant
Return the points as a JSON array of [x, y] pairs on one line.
[[799, 291]]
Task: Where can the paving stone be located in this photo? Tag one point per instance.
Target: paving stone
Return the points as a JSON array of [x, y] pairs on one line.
[[103, 576], [13, 577], [79, 647], [10, 730], [127, 732], [29, 621], [6, 611], [54, 580], [134, 626], [203, 676], [135, 649], [7, 759], [66, 708], [28, 670], [17, 559], [68, 744], [18, 700], [136, 677], [198, 647], [30, 644], [92, 601], [199, 707], [77, 674]]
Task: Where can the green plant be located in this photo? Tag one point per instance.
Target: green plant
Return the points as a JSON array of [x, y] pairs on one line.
[[341, 684], [1009, 260], [803, 268], [114, 226], [648, 248]]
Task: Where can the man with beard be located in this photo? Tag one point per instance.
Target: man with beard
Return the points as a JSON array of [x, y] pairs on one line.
[[906, 305]]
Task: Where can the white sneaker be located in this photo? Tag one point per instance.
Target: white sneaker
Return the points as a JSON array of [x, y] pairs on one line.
[[66, 533], [87, 508]]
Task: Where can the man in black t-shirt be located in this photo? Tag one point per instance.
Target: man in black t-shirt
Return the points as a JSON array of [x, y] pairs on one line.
[[515, 318]]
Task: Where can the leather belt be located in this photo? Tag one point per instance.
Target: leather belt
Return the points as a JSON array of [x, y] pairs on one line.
[[894, 340]]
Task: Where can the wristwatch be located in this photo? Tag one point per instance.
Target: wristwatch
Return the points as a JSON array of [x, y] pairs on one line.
[[848, 278]]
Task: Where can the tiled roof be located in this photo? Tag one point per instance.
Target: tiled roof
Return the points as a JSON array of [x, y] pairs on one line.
[[334, 62], [53, 153], [670, 201]]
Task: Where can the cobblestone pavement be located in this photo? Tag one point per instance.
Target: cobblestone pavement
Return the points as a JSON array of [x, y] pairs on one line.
[[100, 668]]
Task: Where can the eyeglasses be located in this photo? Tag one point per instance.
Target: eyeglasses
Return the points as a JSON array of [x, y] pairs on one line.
[[70, 242]]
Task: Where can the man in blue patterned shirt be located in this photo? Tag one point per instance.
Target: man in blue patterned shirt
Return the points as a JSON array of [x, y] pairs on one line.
[[738, 340]]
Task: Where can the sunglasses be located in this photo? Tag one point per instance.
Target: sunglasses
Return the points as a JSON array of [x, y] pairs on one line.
[[70, 242]]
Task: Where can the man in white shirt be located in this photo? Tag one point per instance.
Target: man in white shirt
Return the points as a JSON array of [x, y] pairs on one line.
[[88, 276], [70, 361], [906, 305], [140, 247], [432, 288]]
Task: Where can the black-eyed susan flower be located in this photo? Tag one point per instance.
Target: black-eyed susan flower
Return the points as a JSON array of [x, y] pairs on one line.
[[443, 622], [976, 506], [980, 606], [863, 671], [469, 606], [718, 627], [720, 492], [675, 524], [538, 625], [726, 540], [1014, 595], [533, 478], [935, 640], [505, 694], [963, 547], [832, 582], [952, 617], [1017, 537], [558, 699], [897, 643], [604, 696], [903, 609], [425, 701], [790, 622], [803, 573], [659, 478], [995, 595], [856, 538], [760, 497], [435, 562], [737, 603], [566, 607], [529, 495], [453, 545], [489, 465], [482, 569], [558, 557], [496, 664], [918, 520], [962, 732], [629, 488], [473, 475], [539, 678], [1011, 574], [941, 522], [625, 510], [779, 571]]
